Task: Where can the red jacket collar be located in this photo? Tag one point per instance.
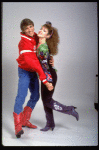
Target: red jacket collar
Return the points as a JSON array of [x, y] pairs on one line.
[[27, 37]]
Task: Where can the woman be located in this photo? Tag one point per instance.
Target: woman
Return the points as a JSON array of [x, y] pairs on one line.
[[48, 45]]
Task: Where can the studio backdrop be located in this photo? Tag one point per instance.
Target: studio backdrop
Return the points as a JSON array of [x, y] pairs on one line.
[[76, 61]]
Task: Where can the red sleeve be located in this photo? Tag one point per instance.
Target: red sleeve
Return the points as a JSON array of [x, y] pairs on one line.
[[30, 60], [23, 46], [33, 63]]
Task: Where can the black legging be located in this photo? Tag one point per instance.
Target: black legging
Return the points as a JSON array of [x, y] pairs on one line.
[[47, 98]]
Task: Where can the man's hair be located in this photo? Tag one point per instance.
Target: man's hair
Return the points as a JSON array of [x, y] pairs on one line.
[[25, 22]]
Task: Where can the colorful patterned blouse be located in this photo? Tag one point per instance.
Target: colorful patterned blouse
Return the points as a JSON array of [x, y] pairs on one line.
[[43, 56]]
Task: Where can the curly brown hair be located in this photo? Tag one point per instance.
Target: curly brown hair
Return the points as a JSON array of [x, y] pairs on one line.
[[53, 41]]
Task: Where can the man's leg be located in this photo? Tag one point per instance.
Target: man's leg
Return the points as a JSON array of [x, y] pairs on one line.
[[23, 85], [19, 101], [34, 90]]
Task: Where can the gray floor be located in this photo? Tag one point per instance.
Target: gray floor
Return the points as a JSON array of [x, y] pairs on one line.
[[68, 131]]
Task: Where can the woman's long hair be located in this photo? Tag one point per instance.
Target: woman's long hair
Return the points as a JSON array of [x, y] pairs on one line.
[[53, 41]]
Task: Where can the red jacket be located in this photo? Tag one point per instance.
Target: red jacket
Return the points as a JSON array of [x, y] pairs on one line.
[[27, 59]]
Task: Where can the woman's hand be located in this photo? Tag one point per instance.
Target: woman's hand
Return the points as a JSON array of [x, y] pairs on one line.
[[51, 62], [49, 86]]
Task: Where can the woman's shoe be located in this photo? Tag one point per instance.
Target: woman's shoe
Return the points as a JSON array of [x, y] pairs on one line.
[[70, 110], [74, 113], [47, 128]]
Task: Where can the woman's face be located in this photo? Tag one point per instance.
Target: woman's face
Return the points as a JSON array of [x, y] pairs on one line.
[[43, 32]]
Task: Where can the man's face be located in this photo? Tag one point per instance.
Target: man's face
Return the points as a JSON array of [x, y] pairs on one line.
[[29, 30]]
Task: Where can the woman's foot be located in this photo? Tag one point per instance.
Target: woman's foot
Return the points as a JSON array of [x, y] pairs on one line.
[[74, 113], [46, 128]]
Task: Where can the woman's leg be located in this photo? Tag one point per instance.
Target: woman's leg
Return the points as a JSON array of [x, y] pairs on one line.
[[49, 117], [50, 103], [59, 107], [48, 112], [45, 93]]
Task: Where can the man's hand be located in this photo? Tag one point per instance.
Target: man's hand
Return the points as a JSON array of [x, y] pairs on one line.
[[49, 86], [51, 62]]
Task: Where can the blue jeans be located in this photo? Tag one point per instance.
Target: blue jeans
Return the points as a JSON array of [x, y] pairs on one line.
[[26, 80]]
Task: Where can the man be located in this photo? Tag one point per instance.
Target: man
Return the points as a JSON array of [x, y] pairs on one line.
[[27, 68]]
